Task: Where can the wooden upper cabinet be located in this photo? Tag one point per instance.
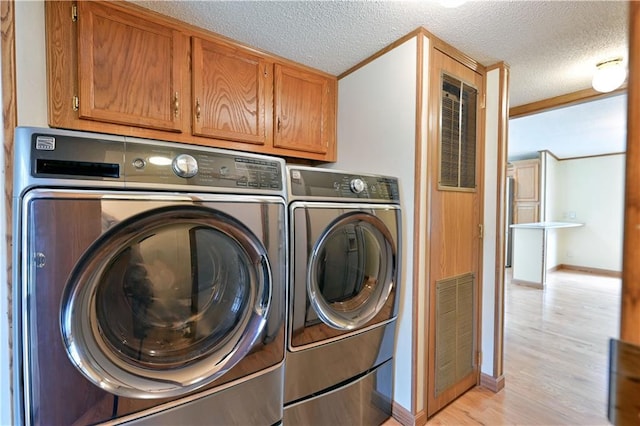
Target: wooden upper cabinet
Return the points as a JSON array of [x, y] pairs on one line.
[[232, 92], [304, 107], [129, 68], [122, 69]]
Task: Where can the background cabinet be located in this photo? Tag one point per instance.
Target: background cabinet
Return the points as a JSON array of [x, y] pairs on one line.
[[114, 67], [526, 195]]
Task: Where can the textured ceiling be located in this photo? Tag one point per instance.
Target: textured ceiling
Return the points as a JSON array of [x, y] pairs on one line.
[[551, 46]]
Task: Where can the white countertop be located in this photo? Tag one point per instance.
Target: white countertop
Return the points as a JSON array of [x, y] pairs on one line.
[[547, 225]]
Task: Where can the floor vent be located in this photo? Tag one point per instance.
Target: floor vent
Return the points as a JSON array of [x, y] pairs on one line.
[[455, 330]]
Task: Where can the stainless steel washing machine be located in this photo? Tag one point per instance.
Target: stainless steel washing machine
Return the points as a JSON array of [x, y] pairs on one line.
[[345, 231], [149, 282]]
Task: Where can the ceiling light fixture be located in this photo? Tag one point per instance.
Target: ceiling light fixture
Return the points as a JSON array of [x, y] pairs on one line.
[[609, 75]]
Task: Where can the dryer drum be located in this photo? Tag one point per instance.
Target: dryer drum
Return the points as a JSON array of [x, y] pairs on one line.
[[351, 270], [166, 301]]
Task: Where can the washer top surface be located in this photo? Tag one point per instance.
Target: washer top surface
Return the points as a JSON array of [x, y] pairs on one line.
[[60, 158]]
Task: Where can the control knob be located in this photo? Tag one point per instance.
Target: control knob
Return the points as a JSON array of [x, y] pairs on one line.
[[185, 166], [357, 185]]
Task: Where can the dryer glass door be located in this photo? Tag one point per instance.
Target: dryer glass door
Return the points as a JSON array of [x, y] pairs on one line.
[[166, 301], [351, 271]]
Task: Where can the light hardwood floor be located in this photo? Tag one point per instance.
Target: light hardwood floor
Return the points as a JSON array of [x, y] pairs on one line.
[[556, 356]]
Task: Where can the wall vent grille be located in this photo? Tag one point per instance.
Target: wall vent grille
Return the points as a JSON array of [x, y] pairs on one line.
[[455, 330], [458, 134]]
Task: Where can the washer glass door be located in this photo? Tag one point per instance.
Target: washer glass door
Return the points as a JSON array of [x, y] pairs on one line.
[[166, 301], [352, 270]]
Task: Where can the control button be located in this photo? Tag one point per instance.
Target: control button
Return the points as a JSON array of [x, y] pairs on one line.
[[185, 166], [357, 185], [139, 163]]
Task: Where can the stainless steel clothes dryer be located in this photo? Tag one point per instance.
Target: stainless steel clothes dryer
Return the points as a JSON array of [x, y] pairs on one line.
[[149, 282], [343, 297]]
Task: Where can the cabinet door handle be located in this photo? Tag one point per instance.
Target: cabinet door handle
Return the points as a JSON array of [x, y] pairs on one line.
[[278, 124], [176, 105], [197, 109]]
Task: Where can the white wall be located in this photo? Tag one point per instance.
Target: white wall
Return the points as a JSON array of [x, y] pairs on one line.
[[384, 93], [31, 72], [592, 192], [489, 243]]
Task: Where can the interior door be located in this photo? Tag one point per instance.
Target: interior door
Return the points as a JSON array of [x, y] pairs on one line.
[[455, 242]]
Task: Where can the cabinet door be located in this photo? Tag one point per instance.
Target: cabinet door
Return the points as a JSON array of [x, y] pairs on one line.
[[231, 92], [129, 68], [304, 106], [527, 181], [526, 212]]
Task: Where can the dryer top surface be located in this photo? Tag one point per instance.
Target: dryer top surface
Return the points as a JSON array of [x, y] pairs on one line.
[[317, 184]]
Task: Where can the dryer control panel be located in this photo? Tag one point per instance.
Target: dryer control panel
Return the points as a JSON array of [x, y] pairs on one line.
[[315, 183]]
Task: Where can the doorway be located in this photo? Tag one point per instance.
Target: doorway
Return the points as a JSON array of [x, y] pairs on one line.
[[582, 154]]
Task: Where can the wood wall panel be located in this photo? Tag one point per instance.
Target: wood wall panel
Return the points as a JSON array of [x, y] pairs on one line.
[[630, 310], [10, 120]]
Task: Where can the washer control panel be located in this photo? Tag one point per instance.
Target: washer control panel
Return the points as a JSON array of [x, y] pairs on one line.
[[319, 183], [211, 168], [69, 158]]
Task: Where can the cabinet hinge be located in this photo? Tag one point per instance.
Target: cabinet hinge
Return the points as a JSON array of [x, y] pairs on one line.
[[483, 101], [76, 103], [479, 358], [481, 231], [74, 13]]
